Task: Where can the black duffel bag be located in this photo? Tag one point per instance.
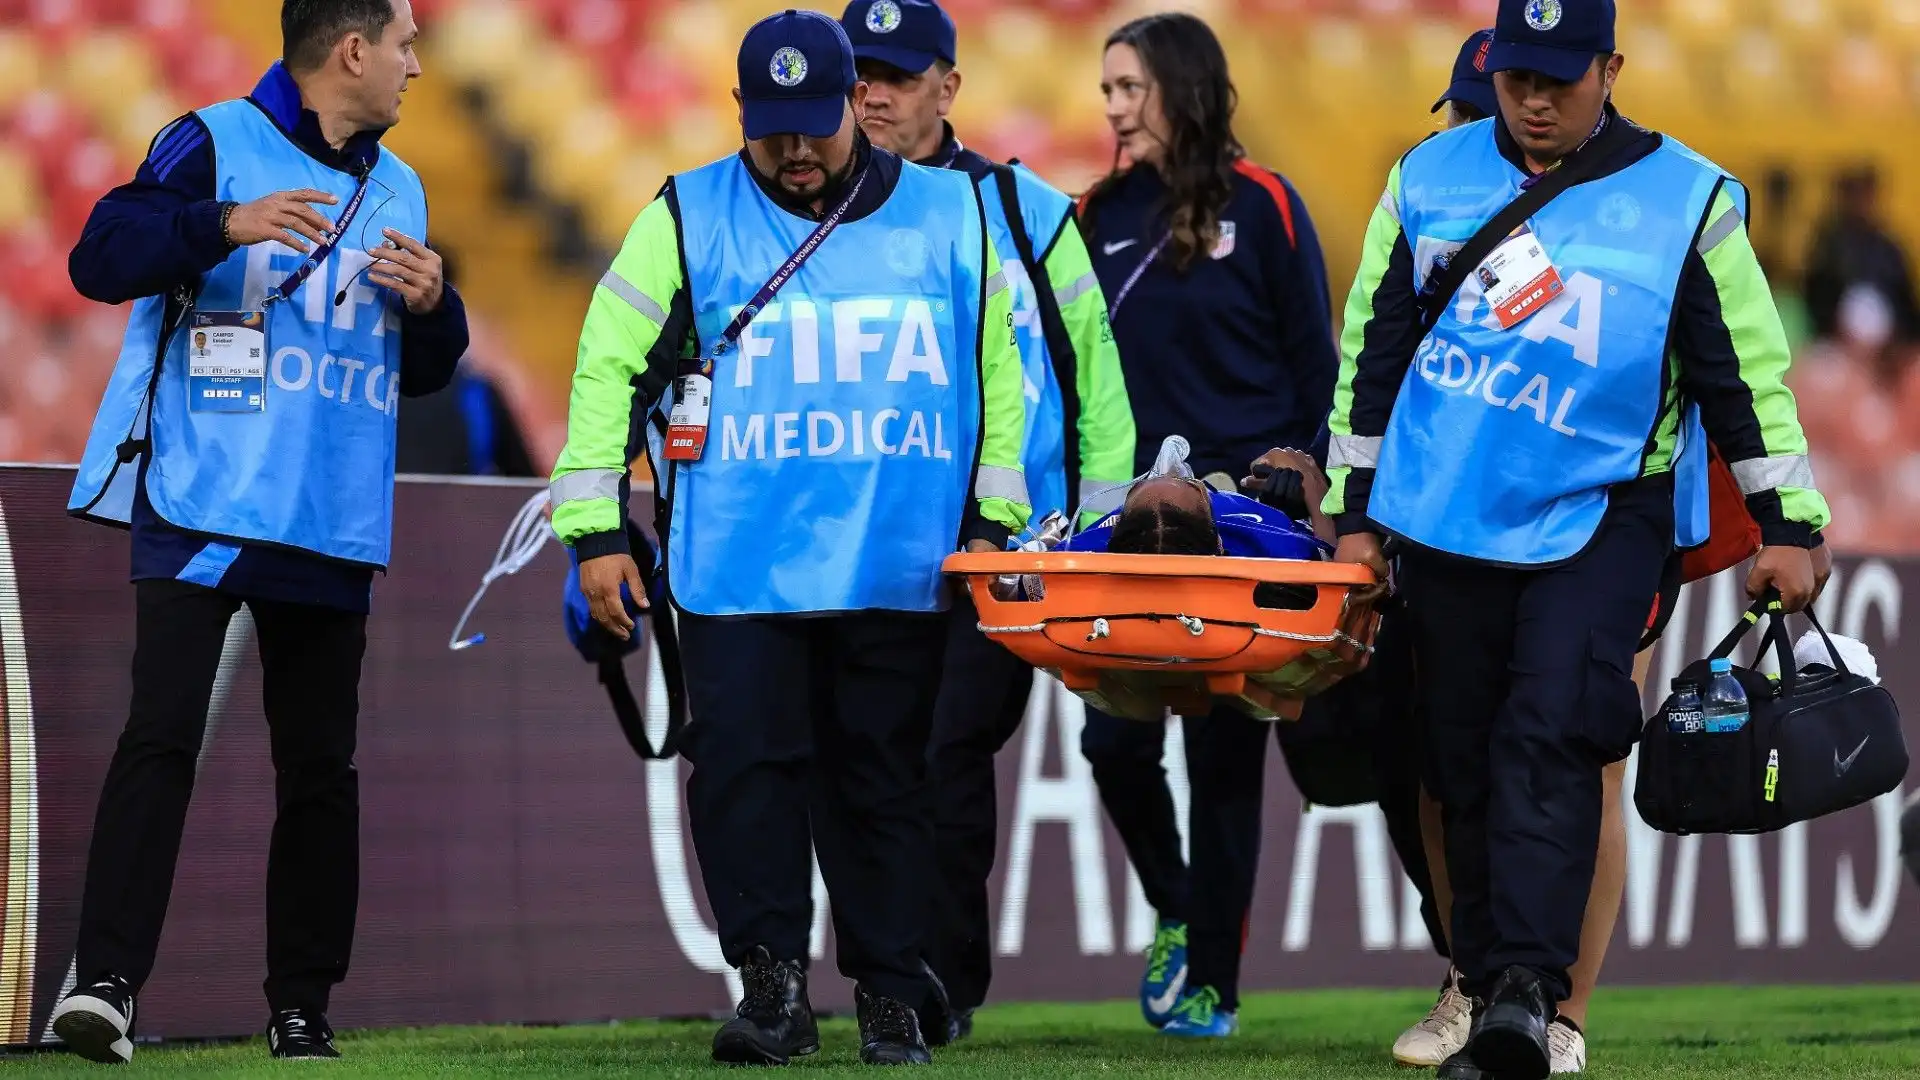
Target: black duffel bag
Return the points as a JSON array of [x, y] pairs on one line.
[[1818, 740]]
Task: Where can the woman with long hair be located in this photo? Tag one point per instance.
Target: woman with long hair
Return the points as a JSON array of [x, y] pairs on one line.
[[1218, 300]]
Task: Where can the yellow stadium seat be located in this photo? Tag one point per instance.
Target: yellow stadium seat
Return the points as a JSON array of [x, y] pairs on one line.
[[104, 68], [706, 36], [1862, 75], [1706, 22], [700, 133], [20, 200], [139, 119], [1431, 46], [20, 71], [1765, 74], [1023, 45], [553, 82], [626, 190], [585, 145], [484, 41]]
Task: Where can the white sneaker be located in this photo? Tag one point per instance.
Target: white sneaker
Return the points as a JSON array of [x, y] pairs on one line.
[[1567, 1047], [1441, 1033]]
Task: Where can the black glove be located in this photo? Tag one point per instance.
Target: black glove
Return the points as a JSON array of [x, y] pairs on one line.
[[1282, 489]]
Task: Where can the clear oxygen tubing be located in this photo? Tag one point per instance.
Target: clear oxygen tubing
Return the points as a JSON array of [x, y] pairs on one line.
[[525, 536]]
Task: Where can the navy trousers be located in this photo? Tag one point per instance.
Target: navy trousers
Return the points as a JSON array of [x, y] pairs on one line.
[[983, 696], [810, 735], [1526, 686], [1365, 725], [1226, 768]]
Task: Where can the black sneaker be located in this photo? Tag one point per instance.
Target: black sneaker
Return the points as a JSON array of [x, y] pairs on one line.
[[962, 1026], [774, 1021], [1461, 1066], [1511, 1041], [96, 1020], [889, 1031], [300, 1033]]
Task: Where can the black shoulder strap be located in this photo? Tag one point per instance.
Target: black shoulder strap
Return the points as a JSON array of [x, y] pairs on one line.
[[1053, 325], [613, 676], [1575, 170]]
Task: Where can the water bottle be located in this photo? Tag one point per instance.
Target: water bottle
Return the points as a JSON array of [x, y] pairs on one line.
[[1724, 709], [1683, 709]]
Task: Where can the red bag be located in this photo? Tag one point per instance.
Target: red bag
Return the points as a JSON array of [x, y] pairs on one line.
[[1735, 536]]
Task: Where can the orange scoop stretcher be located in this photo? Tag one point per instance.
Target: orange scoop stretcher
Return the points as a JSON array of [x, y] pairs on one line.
[[1135, 635]]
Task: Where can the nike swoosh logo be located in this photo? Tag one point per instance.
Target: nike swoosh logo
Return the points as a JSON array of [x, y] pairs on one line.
[[1840, 767], [1120, 245], [1165, 1002]]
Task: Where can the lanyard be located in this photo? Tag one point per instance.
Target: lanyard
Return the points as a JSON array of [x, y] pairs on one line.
[[319, 254], [1134, 278], [787, 269], [1591, 135]]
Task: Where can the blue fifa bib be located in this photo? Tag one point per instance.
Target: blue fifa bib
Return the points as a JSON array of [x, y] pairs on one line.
[[846, 422], [1044, 449], [314, 469], [1503, 443]]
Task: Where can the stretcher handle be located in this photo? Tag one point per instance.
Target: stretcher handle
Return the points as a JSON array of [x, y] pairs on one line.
[[1283, 571]]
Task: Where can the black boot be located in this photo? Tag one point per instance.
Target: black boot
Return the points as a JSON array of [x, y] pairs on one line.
[[1511, 1042], [774, 1021], [936, 1013], [889, 1031]]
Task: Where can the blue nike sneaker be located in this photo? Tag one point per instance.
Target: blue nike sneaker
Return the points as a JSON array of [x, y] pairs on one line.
[[1199, 1016], [1166, 972]]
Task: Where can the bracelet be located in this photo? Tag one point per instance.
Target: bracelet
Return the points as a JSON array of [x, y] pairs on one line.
[[226, 217]]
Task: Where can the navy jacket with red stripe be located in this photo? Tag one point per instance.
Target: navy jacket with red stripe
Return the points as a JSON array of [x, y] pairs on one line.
[[1237, 354]]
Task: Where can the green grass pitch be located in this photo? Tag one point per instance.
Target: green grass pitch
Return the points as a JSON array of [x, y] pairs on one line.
[[1853, 1032]]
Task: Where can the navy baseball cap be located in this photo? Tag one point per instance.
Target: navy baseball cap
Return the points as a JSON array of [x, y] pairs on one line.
[[909, 34], [1472, 84], [796, 70], [1557, 38]]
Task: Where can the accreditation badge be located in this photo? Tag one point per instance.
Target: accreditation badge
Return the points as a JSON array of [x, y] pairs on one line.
[[227, 361], [692, 406], [1519, 278]]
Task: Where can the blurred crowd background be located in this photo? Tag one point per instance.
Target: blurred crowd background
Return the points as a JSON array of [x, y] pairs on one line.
[[542, 127]]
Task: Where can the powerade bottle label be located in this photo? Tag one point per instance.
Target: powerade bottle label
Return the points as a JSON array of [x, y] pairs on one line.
[[1684, 715]]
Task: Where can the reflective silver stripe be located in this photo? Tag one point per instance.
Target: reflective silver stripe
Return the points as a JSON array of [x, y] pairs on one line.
[[1392, 208], [1000, 482], [1719, 230], [996, 283], [1354, 452], [1102, 498], [1765, 474], [1068, 294], [585, 485], [640, 301]]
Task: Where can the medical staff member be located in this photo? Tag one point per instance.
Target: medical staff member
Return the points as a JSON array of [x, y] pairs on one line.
[[1079, 442], [260, 474], [828, 332], [1219, 302], [1443, 1031], [1566, 432]]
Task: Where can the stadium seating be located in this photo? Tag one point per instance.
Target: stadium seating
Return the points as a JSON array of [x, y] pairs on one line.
[[609, 96], [82, 92], [84, 86]]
